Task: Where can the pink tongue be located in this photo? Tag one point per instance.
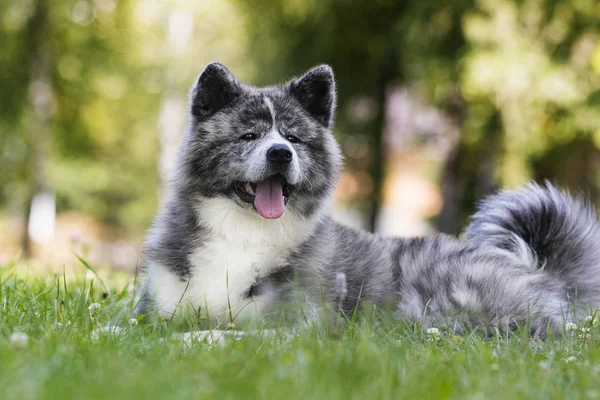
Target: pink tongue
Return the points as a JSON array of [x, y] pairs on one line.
[[269, 198]]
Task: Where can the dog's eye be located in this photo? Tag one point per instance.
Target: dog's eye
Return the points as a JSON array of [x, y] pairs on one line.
[[292, 139], [249, 136]]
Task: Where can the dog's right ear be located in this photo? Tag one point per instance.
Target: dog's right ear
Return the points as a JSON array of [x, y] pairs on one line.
[[215, 88]]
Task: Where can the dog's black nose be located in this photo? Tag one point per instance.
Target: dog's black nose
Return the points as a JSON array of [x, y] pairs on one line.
[[279, 154]]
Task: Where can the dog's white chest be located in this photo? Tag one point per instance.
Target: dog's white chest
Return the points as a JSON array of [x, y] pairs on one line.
[[219, 286], [240, 250], [224, 275]]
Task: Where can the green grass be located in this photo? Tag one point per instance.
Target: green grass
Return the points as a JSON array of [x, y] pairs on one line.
[[373, 359]]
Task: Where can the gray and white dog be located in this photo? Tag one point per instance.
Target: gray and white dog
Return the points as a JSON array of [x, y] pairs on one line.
[[246, 228]]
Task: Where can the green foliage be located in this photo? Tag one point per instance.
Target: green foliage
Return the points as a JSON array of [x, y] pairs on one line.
[[103, 139], [522, 77], [537, 63]]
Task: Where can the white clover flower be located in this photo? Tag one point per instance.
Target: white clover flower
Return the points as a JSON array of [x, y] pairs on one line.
[[589, 318], [19, 339], [570, 327], [229, 326], [433, 331], [94, 307], [433, 334], [133, 322], [585, 333]]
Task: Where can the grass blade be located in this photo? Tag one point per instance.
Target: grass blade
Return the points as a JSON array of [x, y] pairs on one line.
[[89, 267]]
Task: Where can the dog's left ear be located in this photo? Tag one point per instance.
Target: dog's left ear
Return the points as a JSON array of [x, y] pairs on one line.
[[215, 88], [316, 93]]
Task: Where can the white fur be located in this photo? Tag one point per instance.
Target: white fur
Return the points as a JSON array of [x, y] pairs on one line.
[[269, 104], [241, 248]]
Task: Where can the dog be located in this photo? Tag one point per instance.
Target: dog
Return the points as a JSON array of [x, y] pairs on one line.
[[246, 229]]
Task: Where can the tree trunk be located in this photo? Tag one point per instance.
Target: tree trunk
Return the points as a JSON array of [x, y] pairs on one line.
[[388, 75], [40, 95], [451, 188], [452, 185]]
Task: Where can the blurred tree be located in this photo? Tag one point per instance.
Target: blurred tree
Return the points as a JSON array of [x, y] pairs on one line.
[[534, 65], [39, 127], [76, 129], [434, 46]]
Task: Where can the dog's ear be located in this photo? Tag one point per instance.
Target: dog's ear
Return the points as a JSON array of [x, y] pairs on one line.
[[215, 88], [316, 93]]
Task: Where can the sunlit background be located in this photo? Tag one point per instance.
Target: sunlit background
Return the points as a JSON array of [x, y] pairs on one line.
[[440, 103]]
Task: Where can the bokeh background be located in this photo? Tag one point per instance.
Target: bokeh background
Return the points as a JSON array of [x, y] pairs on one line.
[[440, 103]]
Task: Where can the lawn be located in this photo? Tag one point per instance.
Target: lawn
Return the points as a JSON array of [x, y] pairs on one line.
[[48, 350]]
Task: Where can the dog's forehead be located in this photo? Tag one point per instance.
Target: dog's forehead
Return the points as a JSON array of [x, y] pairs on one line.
[[253, 110], [268, 107]]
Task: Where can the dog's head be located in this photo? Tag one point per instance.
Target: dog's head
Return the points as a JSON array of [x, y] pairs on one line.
[[266, 149]]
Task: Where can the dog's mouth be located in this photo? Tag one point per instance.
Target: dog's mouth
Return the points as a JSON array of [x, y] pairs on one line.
[[269, 196]]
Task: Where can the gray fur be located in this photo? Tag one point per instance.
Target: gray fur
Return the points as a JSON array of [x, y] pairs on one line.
[[561, 233], [530, 258]]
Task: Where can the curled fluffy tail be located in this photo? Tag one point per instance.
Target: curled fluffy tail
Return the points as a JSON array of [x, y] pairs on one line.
[[548, 229]]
